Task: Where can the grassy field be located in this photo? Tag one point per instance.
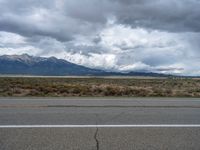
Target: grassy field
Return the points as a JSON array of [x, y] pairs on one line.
[[135, 87]]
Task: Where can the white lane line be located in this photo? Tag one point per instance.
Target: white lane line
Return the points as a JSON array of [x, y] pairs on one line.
[[106, 126]]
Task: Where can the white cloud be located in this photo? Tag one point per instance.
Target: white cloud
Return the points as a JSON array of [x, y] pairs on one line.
[[118, 48], [101, 61], [11, 38]]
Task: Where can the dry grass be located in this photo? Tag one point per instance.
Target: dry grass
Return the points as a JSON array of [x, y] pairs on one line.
[[15, 86]]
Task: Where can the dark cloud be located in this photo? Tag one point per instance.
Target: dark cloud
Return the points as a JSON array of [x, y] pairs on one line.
[[112, 34], [97, 39], [62, 19], [170, 15], [46, 18], [29, 29]]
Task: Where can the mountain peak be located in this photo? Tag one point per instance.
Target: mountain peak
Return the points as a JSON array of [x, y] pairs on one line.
[[24, 58], [15, 57], [30, 65], [26, 64]]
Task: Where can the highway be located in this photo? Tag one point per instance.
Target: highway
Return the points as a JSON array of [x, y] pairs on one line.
[[99, 123]]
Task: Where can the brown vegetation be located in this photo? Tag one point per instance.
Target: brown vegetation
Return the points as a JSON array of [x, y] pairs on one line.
[[15, 86]]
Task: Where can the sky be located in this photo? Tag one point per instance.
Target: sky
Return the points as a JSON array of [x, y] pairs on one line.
[[160, 36]]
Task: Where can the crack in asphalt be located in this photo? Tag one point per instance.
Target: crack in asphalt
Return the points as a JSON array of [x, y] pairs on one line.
[[96, 139], [96, 133]]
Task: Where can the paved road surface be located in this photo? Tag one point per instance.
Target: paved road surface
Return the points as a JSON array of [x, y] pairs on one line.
[[139, 123]]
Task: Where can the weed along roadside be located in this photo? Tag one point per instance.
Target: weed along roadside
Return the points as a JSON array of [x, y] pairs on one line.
[[59, 87]]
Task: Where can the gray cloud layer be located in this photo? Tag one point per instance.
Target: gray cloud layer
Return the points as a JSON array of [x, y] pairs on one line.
[[122, 35], [170, 15]]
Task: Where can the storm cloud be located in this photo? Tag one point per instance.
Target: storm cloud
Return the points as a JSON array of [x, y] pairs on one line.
[[121, 35]]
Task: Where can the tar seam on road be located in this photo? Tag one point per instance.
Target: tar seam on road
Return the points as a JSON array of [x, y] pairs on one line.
[[102, 106], [106, 126]]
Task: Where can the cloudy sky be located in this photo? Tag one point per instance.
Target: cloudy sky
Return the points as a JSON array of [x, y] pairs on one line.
[[121, 35]]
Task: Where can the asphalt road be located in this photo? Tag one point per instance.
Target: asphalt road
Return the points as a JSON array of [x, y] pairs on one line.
[[114, 123]]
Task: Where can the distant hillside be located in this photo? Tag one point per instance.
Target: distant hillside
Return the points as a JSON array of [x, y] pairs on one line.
[[29, 65]]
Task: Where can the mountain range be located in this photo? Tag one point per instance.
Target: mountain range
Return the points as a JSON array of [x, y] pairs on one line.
[[31, 65]]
